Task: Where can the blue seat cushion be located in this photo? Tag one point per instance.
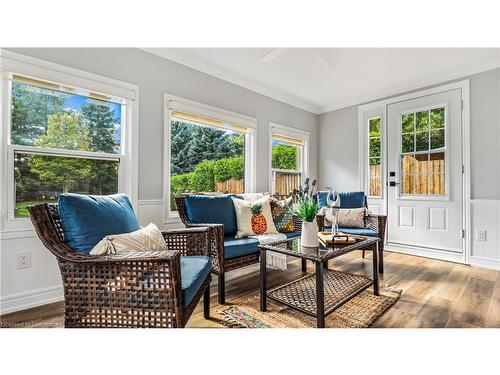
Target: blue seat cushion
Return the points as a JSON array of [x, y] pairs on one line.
[[237, 247], [194, 270], [292, 234], [87, 219], [205, 209], [358, 231], [352, 199]]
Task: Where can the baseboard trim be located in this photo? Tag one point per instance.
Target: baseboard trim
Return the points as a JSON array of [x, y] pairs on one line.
[[492, 264], [426, 253], [34, 298]]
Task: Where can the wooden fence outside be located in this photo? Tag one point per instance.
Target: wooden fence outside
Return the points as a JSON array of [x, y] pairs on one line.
[[284, 183], [230, 186], [423, 176], [419, 176]]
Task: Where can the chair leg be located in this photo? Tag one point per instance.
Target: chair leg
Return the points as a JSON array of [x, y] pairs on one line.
[[363, 254], [222, 289], [206, 303], [380, 260]]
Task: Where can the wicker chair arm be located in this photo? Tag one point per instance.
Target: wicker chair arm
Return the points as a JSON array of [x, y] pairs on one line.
[[150, 281], [216, 244], [189, 241]]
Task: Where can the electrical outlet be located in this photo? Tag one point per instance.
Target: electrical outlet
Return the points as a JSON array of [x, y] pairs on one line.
[[480, 235], [23, 260]]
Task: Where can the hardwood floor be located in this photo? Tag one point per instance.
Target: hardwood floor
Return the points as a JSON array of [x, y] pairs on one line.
[[435, 293]]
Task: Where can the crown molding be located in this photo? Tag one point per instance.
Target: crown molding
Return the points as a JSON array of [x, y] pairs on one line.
[[194, 63], [183, 59], [413, 86]]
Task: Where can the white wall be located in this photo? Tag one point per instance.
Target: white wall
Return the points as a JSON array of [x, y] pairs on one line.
[[23, 288], [338, 155]]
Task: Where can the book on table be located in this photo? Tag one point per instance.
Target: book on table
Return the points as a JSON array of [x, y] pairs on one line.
[[340, 238]]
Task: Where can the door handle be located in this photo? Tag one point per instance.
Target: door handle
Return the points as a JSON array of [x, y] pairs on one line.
[[393, 183]]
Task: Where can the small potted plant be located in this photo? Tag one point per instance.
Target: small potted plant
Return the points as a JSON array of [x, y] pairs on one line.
[[306, 210]]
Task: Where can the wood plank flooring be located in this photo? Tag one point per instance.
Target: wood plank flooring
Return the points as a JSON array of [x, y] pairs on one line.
[[435, 293]]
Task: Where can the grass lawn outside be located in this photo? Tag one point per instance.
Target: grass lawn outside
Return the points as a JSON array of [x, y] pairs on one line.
[[21, 207]]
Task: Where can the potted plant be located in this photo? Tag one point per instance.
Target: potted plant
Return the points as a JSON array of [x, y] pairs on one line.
[[306, 210]]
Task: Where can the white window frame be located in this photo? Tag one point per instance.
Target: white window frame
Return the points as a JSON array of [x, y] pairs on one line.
[[172, 102], [13, 63], [288, 131]]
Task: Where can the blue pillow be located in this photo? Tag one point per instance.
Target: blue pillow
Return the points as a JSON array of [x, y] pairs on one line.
[[321, 197], [206, 209], [352, 199], [87, 219]]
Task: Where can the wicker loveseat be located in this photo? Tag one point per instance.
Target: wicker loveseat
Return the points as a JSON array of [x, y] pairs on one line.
[[374, 224], [128, 291], [227, 252]]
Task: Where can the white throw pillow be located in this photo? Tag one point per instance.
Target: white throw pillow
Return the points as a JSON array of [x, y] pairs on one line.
[[254, 218], [251, 197], [148, 238], [346, 217]]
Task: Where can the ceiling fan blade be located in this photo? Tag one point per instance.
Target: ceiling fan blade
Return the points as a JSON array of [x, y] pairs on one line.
[[272, 55]]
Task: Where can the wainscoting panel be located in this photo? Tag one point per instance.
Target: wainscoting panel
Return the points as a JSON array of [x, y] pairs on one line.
[[485, 216]]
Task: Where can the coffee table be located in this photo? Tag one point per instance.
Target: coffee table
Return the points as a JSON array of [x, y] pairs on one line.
[[321, 293]]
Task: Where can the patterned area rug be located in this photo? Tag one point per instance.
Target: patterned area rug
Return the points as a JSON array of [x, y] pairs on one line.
[[360, 312]]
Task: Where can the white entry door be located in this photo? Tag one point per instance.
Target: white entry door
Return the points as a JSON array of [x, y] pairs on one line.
[[424, 164]]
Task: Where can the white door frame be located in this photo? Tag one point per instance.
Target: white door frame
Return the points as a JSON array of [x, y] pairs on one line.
[[464, 85]]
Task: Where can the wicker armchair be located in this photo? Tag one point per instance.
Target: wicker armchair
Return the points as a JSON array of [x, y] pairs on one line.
[[135, 290], [373, 221], [220, 265]]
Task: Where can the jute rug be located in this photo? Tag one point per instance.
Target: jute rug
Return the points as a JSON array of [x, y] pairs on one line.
[[360, 312]]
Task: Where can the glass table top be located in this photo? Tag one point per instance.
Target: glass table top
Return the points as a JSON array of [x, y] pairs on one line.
[[323, 252]]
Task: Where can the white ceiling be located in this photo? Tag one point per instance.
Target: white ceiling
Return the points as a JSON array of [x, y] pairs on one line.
[[323, 79]]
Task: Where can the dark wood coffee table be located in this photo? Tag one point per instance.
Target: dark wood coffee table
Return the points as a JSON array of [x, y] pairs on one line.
[[323, 292]]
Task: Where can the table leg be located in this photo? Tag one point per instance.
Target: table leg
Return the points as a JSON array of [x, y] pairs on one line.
[[304, 265], [320, 296], [375, 271], [263, 281]]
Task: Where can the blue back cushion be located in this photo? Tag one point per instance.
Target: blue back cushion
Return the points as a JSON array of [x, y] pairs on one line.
[[87, 219], [205, 209], [350, 199]]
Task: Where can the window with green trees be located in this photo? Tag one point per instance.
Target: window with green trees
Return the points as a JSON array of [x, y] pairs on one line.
[[62, 140], [375, 156], [286, 163], [206, 155]]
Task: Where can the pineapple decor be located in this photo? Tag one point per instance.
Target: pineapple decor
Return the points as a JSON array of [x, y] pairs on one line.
[[259, 224]]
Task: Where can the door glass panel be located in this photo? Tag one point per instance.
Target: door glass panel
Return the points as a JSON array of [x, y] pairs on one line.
[[422, 152], [437, 138], [422, 141], [407, 125], [437, 118], [408, 143], [422, 122]]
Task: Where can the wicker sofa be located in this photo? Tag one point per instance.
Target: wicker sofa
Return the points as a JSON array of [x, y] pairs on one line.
[[227, 253], [374, 224], [127, 291]]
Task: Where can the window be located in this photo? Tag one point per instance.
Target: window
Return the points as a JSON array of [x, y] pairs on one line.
[[288, 155], [374, 156], [209, 152], [59, 137], [423, 146]]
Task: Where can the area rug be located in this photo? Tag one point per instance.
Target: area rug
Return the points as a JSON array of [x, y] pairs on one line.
[[360, 312]]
